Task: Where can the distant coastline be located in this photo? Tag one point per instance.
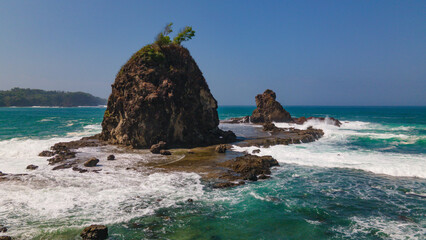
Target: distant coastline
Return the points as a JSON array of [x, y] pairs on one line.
[[25, 97]]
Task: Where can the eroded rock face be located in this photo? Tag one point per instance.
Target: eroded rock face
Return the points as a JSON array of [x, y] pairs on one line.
[[268, 109], [160, 94]]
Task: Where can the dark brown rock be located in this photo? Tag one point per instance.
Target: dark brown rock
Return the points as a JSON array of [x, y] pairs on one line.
[[165, 152], [249, 166], [3, 229], [269, 127], [5, 238], [221, 148], [46, 154], [111, 157], [61, 156], [160, 94], [80, 170], [256, 151], [91, 162], [32, 167], [95, 232], [268, 109], [156, 148]]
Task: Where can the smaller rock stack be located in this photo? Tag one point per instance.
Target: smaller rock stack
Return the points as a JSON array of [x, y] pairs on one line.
[[269, 110]]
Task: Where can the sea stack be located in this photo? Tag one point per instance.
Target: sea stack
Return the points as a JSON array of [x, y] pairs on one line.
[[160, 94], [269, 110]]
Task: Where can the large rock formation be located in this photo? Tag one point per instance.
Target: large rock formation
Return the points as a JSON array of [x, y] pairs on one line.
[[268, 109], [160, 94]]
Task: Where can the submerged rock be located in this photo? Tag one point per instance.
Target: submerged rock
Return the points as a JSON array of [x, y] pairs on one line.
[[5, 238], [32, 167], [91, 162], [268, 109], [160, 94], [111, 157], [95, 232]]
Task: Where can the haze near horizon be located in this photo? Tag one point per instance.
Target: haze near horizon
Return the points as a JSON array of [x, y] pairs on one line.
[[310, 53]]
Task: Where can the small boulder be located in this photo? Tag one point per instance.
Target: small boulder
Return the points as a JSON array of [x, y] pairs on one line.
[[95, 232], [269, 127], [32, 167], [190, 200], [80, 170], [91, 162], [165, 152], [221, 148], [5, 238], [3, 229], [157, 147], [46, 154], [111, 157], [255, 151]]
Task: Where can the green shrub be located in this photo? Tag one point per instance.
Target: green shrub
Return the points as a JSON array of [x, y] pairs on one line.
[[184, 35], [163, 37]]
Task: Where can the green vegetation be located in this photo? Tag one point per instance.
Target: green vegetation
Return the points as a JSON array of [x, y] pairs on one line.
[[23, 97], [163, 37], [184, 35], [152, 54]]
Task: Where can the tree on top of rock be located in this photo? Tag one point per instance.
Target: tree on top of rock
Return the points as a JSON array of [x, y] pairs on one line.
[[184, 35]]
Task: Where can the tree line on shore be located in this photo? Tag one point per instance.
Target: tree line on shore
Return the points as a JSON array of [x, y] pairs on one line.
[[24, 97]]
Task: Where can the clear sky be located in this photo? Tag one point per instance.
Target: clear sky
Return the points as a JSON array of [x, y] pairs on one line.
[[308, 52]]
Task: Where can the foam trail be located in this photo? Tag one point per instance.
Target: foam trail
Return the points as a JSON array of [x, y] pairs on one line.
[[18, 153], [47, 200], [333, 150]]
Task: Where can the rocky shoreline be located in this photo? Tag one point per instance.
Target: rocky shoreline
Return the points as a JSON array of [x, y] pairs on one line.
[[161, 106]]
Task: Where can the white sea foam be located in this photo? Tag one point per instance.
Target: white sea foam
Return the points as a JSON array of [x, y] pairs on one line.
[[331, 151], [17, 153], [48, 200], [391, 228]]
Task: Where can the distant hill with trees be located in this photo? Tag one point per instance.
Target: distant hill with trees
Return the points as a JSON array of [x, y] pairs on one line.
[[25, 97]]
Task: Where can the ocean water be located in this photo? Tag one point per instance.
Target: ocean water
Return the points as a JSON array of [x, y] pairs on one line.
[[364, 180]]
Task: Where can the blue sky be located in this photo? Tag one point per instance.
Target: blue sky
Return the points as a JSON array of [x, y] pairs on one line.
[[308, 52]]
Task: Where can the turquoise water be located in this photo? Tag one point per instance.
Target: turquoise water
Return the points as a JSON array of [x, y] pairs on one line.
[[365, 180]]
